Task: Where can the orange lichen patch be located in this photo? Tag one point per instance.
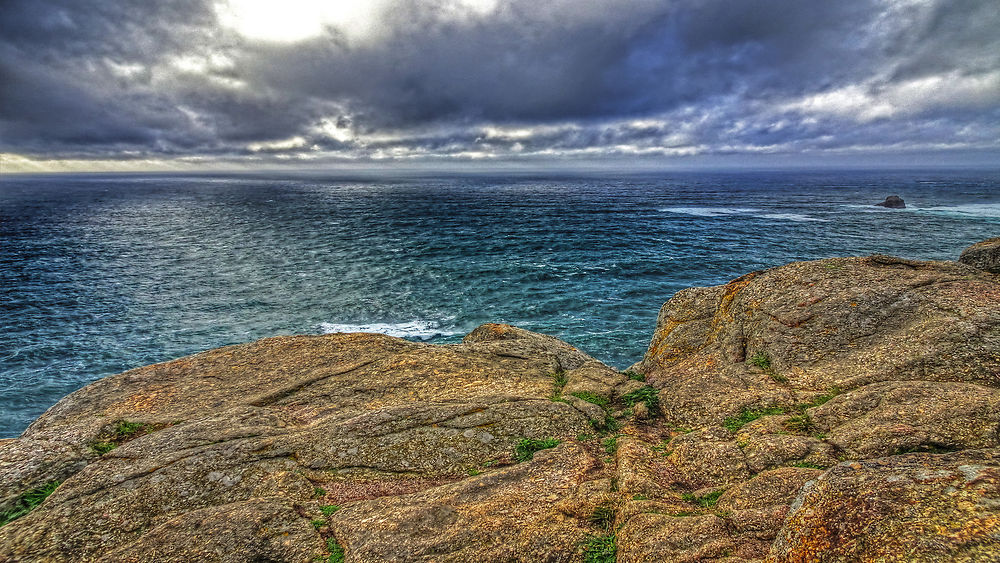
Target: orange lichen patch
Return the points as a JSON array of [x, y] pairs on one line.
[[724, 313], [145, 401], [658, 347], [497, 329]]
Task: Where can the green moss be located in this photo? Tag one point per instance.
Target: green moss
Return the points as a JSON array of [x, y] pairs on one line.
[[663, 448], [647, 395], [319, 492], [634, 376], [748, 415], [336, 552], [819, 399], [600, 549], [640, 497], [610, 444], [800, 423], [704, 501], [558, 382], [526, 448], [762, 360], [808, 465], [584, 437], [598, 400], [27, 502], [102, 447], [123, 431], [609, 424], [318, 523], [329, 509]]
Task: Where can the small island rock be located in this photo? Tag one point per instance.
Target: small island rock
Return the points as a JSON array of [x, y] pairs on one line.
[[893, 202]]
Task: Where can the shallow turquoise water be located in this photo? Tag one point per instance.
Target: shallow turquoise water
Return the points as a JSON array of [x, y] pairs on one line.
[[99, 274]]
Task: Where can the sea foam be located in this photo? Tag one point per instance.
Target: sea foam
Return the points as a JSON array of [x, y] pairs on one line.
[[709, 211], [418, 329]]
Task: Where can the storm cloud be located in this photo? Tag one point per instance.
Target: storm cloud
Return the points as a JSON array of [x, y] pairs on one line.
[[189, 81]]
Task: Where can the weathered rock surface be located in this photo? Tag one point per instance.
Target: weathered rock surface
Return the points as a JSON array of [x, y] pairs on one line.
[[914, 507], [843, 409], [984, 255], [893, 202]]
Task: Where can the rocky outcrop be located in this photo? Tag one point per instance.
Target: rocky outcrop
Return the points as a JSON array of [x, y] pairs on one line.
[[893, 202], [842, 409], [984, 255]]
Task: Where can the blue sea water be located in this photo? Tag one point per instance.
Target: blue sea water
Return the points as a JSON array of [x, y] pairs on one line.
[[99, 274]]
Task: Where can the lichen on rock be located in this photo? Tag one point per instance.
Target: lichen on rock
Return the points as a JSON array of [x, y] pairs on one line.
[[840, 409]]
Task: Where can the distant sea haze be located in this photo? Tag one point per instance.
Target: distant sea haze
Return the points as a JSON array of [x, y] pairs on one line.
[[100, 274]]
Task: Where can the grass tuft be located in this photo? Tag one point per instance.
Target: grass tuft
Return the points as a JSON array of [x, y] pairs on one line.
[[762, 360], [808, 465], [748, 415], [558, 382], [598, 400], [329, 509], [123, 431], [819, 399], [27, 502], [609, 424], [646, 394], [336, 552], [526, 448], [603, 517], [600, 549], [704, 501], [634, 376], [610, 444], [800, 423]]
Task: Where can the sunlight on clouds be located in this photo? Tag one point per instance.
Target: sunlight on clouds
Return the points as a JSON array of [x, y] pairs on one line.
[[288, 21], [868, 103], [336, 129], [296, 20], [283, 145]]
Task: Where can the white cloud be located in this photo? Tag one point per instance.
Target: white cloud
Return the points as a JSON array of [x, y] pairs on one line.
[[870, 102]]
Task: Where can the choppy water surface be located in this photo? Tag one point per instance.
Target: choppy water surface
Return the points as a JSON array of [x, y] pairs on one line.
[[99, 274]]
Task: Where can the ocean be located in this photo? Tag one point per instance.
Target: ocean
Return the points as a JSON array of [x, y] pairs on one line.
[[103, 273]]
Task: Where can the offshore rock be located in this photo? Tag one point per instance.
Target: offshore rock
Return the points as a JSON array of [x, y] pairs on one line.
[[841, 409], [893, 202]]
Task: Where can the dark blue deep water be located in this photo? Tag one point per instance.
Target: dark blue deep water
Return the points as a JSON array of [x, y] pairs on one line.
[[99, 274]]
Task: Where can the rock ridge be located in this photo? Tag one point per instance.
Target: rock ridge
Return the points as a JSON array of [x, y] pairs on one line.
[[831, 410]]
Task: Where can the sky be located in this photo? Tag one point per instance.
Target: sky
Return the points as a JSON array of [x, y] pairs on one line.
[[138, 85]]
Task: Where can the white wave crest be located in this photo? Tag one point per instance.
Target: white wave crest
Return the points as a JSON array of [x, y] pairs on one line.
[[419, 329], [966, 210], [709, 211]]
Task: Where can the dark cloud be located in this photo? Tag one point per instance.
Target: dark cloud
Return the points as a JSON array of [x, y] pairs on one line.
[[103, 78]]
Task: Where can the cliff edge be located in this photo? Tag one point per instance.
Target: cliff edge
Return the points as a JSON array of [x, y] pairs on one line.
[[834, 410]]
